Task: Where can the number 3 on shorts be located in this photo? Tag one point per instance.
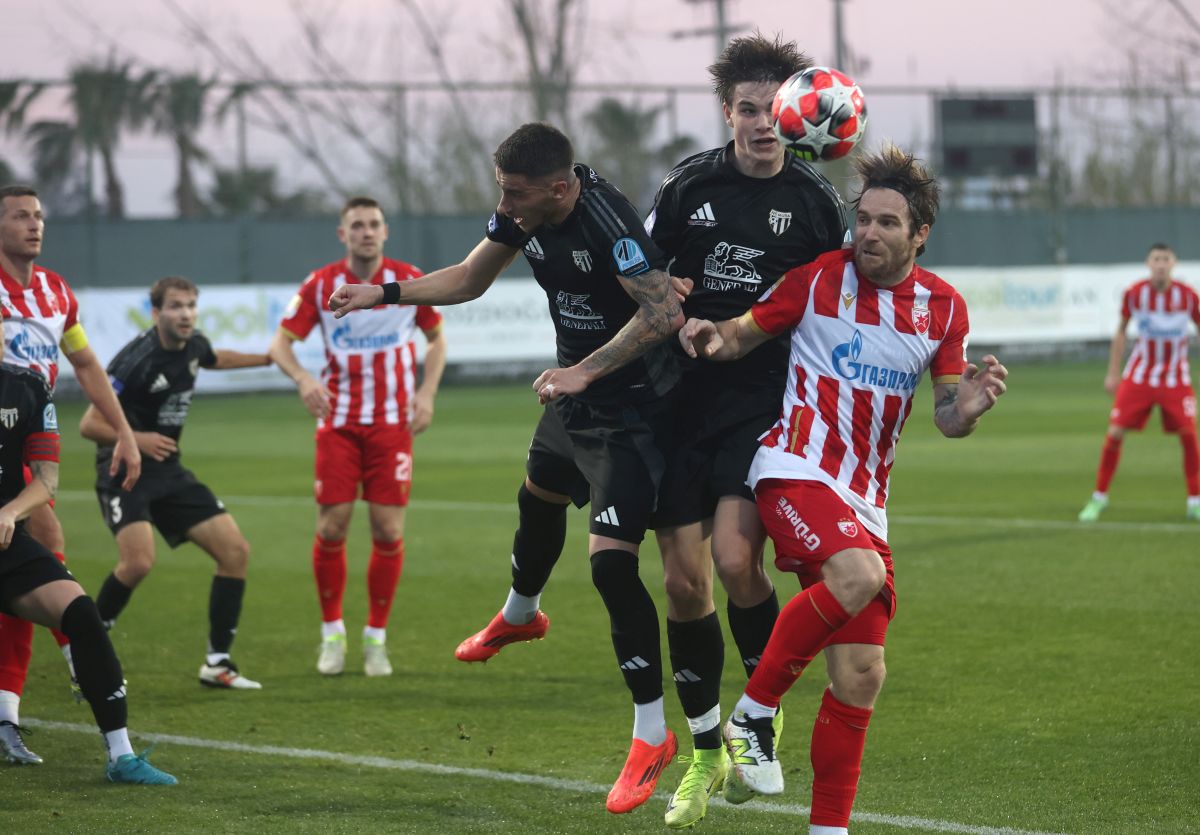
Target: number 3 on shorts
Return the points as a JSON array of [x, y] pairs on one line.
[[114, 510], [403, 467]]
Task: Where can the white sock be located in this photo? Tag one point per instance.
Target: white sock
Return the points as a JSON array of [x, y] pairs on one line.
[[212, 659], [706, 722], [118, 744], [813, 829], [1100, 497], [374, 634], [753, 709], [1193, 501], [66, 651], [650, 723], [519, 609], [10, 705], [333, 627]]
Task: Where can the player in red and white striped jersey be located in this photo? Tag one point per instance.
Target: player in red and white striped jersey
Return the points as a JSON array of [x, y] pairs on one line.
[[368, 407], [41, 316], [1156, 374], [865, 326]]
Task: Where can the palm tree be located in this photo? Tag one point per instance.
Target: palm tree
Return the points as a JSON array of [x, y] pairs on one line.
[[626, 153], [178, 111]]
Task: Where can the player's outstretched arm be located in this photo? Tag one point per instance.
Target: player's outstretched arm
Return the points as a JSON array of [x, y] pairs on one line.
[[313, 393], [39, 491], [93, 379], [227, 360], [658, 316], [431, 378], [721, 341], [460, 283], [1116, 354], [95, 428], [959, 406]]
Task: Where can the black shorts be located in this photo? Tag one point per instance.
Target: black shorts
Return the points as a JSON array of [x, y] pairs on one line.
[[25, 565], [607, 455], [167, 496], [715, 437]]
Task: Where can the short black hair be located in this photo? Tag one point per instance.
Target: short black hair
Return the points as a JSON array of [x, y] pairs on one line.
[[158, 293], [15, 190], [535, 149], [1160, 245], [902, 172], [360, 201], [755, 58]]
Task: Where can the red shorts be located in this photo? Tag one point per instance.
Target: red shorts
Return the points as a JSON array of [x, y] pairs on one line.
[[378, 456], [29, 477], [809, 523], [1134, 401]]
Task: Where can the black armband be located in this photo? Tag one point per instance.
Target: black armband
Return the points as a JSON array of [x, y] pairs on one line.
[[391, 293]]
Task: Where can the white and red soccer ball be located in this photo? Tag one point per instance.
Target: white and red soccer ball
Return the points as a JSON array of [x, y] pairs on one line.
[[820, 114]]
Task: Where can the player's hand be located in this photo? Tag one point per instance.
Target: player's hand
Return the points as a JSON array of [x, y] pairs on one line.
[[422, 412], [159, 447], [126, 454], [315, 396], [1111, 380], [980, 388], [354, 297], [700, 337], [554, 383], [8, 525], [682, 287]]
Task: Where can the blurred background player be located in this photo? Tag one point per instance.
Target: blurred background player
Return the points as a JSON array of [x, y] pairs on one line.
[[41, 318], [865, 324], [735, 218], [37, 588], [1157, 374], [154, 376], [608, 407], [368, 408]]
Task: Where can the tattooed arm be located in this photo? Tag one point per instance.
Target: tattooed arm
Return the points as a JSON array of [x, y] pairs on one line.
[[958, 406], [40, 490], [658, 316]]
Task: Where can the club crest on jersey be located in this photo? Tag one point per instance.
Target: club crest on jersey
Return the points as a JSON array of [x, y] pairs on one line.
[[583, 259], [8, 417], [630, 259], [534, 250], [194, 366], [920, 318], [780, 221], [847, 527]]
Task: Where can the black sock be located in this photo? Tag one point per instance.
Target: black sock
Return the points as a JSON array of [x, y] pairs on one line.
[[96, 666], [634, 622], [751, 629], [538, 542], [697, 658], [224, 609], [113, 598]]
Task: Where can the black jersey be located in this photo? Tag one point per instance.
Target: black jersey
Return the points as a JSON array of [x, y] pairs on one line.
[[735, 236], [28, 426], [155, 386], [577, 263]]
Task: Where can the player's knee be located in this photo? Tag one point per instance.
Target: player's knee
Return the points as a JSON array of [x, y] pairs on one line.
[[687, 588], [234, 558], [855, 577], [80, 618], [740, 572], [332, 529], [134, 567], [612, 571], [860, 685]]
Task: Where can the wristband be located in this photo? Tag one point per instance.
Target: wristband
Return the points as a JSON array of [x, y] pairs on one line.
[[391, 293]]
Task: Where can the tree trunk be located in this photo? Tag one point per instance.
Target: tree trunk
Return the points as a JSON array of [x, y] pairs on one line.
[[114, 192], [187, 201]]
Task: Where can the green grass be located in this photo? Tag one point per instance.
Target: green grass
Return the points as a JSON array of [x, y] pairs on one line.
[[1041, 677]]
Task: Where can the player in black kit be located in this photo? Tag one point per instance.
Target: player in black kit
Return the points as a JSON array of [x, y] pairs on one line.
[[38, 588], [734, 219], [606, 406], [154, 376]]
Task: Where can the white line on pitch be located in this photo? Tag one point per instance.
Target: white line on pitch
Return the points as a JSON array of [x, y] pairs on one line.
[[788, 809], [965, 520]]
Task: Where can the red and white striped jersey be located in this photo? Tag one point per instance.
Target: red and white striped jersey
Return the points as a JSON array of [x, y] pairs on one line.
[[38, 320], [370, 358], [1160, 357], [858, 352]]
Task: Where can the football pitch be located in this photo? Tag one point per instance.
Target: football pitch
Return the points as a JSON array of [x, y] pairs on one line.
[[1042, 674]]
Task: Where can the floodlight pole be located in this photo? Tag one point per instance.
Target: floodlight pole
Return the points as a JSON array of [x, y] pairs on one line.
[[839, 43], [722, 29]]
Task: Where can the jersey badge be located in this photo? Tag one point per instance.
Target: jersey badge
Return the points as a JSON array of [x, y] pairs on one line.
[[292, 307], [8, 417], [583, 259], [847, 300], [920, 318], [847, 527], [160, 384], [194, 366], [49, 419], [780, 221], [731, 267], [493, 223], [703, 216], [630, 259], [533, 249]]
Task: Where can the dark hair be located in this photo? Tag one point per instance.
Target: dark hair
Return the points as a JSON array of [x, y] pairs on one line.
[[901, 172], [755, 58], [15, 191], [535, 149], [158, 293], [361, 201], [1161, 245]]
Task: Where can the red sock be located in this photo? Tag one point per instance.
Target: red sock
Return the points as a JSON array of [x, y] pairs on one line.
[[1109, 456], [839, 736], [383, 573], [803, 627], [329, 567], [1191, 462], [59, 638], [16, 647]]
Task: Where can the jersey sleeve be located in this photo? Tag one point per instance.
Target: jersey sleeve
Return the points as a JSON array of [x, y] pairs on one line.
[[205, 352], [951, 357], [123, 372], [613, 228], [41, 437], [1127, 304], [504, 230], [304, 310], [428, 318], [783, 305], [662, 224]]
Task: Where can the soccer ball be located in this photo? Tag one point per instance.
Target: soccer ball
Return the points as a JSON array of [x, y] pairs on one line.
[[819, 114]]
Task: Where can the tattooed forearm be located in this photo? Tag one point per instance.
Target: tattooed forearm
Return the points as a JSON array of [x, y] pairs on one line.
[[947, 416], [659, 315], [47, 473]]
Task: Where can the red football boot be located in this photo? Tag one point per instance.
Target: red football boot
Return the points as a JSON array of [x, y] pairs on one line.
[[500, 633]]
